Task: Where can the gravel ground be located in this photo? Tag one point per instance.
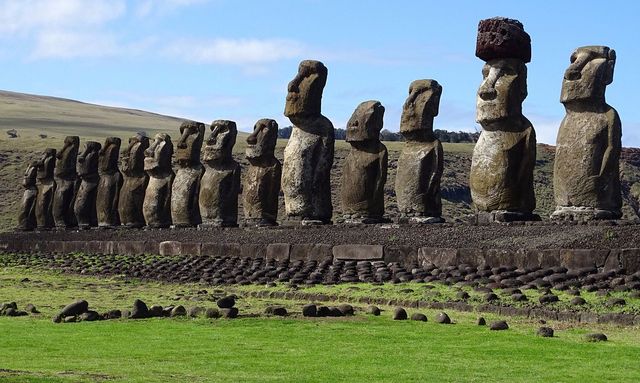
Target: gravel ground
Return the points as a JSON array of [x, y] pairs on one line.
[[540, 235]]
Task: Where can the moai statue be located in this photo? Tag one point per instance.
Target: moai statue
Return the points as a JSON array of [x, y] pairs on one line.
[[364, 172], [421, 161], [220, 183], [185, 210], [501, 178], [109, 184], [156, 207], [66, 180], [46, 189], [586, 177], [308, 156], [262, 180], [85, 202], [27, 217], [135, 182]]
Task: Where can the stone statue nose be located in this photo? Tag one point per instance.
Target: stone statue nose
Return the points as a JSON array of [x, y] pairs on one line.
[[487, 93], [252, 139], [572, 74]]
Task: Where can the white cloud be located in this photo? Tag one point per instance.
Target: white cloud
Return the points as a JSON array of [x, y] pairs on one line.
[[145, 8], [59, 44], [235, 51]]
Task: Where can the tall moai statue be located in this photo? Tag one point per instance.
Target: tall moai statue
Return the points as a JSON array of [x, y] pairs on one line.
[[308, 156], [156, 207], [135, 182], [262, 179], [220, 184], [501, 178], [185, 211], [364, 172], [85, 202], [421, 160], [27, 216], [109, 184], [66, 179], [46, 190], [586, 177]]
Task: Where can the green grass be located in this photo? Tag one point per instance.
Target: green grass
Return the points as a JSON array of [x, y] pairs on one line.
[[294, 349]]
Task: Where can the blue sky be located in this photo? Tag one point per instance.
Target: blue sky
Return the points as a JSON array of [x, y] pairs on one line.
[[218, 59]]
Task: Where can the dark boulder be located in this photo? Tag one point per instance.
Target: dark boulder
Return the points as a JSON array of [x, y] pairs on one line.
[[499, 325], [443, 318], [75, 308], [227, 302], [399, 314], [419, 317], [309, 310], [139, 310], [545, 332]]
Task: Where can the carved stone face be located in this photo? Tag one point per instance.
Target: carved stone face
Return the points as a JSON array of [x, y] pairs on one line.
[[220, 143], [262, 142], [109, 153], [366, 122], [503, 89], [304, 95], [421, 106], [29, 179], [47, 164], [67, 157], [133, 156], [158, 155], [589, 73], [190, 144], [88, 159]]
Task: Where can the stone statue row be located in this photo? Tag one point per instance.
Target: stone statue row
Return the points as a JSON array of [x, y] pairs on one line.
[[87, 189]]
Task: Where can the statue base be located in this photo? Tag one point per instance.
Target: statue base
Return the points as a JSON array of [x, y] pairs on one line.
[[365, 220], [108, 227], [183, 226], [157, 226], [215, 224], [422, 220], [583, 213], [305, 221], [257, 222], [503, 216]]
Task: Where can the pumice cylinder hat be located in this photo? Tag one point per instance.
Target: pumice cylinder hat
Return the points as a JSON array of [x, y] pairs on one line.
[[502, 38]]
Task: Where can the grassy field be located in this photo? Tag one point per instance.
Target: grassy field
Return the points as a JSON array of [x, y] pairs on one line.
[[292, 349]]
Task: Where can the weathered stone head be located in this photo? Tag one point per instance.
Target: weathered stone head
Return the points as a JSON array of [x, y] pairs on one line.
[[262, 142], [588, 75], [108, 157], [366, 122], [158, 155], [67, 157], [47, 164], [30, 175], [304, 95], [190, 144], [219, 145], [133, 156], [88, 159], [420, 108]]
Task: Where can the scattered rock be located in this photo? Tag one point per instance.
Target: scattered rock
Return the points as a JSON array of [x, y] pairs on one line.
[[229, 313], [548, 298], [419, 317], [30, 308], [140, 310], [519, 298], [462, 295], [309, 310], [112, 314], [89, 316], [156, 311], [212, 312], [399, 314], [545, 332], [490, 297], [499, 325], [280, 311], [227, 302], [481, 322], [595, 337], [70, 319], [616, 302], [323, 311], [443, 318], [346, 309], [75, 308], [578, 301], [373, 310], [195, 312], [178, 311]]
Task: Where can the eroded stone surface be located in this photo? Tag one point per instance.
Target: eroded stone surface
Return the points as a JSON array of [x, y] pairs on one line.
[[85, 201], [109, 184], [156, 207], [46, 189], [262, 179], [364, 172], [421, 161], [66, 179], [308, 156], [135, 181], [185, 210], [587, 163], [220, 183], [27, 215]]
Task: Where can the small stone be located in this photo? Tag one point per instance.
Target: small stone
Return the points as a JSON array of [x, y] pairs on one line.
[[545, 332], [346, 309], [578, 301], [462, 295], [30, 308], [276, 310], [75, 308], [481, 322], [595, 337], [519, 298], [373, 310], [112, 314], [229, 313], [335, 312], [178, 311], [490, 297], [399, 314], [419, 317], [70, 319], [195, 312], [57, 319], [227, 302], [616, 302], [156, 311], [212, 312], [443, 318], [499, 325], [140, 310], [323, 311], [548, 298], [309, 310], [89, 316]]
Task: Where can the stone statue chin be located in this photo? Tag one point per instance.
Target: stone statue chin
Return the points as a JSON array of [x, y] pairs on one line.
[[220, 184], [308, 156], [156, 207], [587, 164], [364, 172], [185, 211]]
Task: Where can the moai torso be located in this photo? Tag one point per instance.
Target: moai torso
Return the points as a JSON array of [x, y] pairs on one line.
[[586, 169], [185, 211], [220, 184], [85, 201], [66, 179], [308, 156], [501, 178], [421, 161], [365, 169], [156, 207], [46, 190], [109, 184], [135, 182], [27, 216], [262, 178]]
